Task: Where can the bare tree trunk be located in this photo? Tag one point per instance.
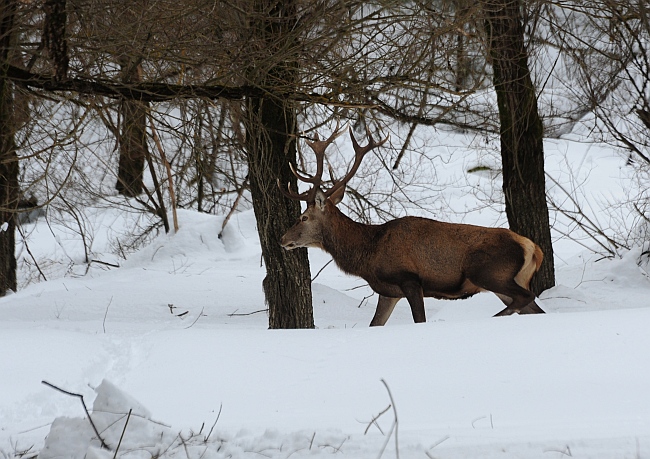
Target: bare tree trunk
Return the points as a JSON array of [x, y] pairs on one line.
[[9, 192], [522, 149], [133, 137], [287, 286], [271, 146], [462, 64], [54, 39]]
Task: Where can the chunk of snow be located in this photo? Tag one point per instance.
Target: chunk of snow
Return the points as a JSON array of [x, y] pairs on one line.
[[118, 417]]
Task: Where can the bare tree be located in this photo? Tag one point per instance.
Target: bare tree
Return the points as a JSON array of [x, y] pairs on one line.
[[132, 137], [9, 192], [606, 47], [521, 130], [274, 68], [54, 37], [271, 147]]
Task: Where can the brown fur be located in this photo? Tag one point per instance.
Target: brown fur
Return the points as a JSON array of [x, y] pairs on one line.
[[413, 257], [416, 257]]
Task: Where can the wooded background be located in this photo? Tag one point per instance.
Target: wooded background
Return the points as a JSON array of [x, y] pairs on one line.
[[200, 104]]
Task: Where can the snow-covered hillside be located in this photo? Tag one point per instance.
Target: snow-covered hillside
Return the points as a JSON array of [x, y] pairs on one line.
[[178, 334]]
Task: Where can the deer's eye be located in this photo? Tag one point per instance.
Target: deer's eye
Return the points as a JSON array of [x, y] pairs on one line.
[[304, 218]]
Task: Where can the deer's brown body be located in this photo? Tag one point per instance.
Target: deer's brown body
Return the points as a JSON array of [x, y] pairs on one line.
[[414, 257]]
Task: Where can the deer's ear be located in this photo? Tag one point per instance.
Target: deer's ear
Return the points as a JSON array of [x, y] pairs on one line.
[[337, 196], [320, 200]]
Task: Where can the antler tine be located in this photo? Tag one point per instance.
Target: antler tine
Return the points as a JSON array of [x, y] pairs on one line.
[[319, 147], [289, 193], [299, 176], [359, 153]]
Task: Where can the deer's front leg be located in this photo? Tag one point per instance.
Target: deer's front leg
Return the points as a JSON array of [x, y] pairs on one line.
[[385, 307]]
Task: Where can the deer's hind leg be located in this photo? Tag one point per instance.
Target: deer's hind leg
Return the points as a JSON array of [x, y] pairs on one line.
[[532, 308], [413, 291], [505, 283], [517, 300]]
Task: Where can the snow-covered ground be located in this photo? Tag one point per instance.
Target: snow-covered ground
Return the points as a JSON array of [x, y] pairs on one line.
[[178, 335]]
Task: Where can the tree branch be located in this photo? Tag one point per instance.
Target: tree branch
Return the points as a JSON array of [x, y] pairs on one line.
[[81, 397], [160, 92]]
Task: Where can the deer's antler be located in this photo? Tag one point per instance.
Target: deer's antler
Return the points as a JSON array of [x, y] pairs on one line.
[[319, 147], [359, 153]]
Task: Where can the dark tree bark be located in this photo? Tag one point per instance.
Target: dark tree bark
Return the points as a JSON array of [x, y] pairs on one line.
[[133, 138], [54, 40], [271, 146], [462, 64], [522, 149], [9, 191]]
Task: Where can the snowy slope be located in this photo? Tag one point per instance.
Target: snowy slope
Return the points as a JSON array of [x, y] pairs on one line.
[[178, 333], [178, 329]]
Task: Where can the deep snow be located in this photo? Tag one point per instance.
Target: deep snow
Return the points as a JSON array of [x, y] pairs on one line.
[[177, 334]]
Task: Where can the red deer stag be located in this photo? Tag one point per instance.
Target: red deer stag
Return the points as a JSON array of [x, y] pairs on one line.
[[413, 257]]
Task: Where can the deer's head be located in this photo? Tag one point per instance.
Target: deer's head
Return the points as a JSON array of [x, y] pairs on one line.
[[308, 231]]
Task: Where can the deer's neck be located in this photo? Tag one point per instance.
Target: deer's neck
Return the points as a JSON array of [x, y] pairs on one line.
[[350, 243]]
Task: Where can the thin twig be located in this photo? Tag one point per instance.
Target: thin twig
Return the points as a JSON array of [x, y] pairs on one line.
[[215, 423], [119, 443], [355, 288], [158, 206], [112, 265], [374, 421], [168, 168], [365, 298], [81, 397], [195, 320], [394, 427], [406, 142], [321, 270], [233, 314], [187, 453], [335, 449], [106, 314], [20, 230], [565, 452], [240, 192], [443, 439]]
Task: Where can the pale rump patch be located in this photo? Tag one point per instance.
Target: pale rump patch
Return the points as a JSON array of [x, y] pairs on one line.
[[533, 257]]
